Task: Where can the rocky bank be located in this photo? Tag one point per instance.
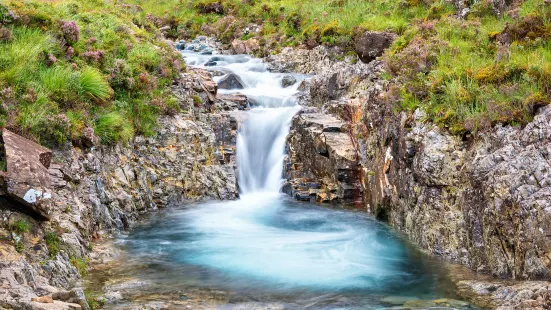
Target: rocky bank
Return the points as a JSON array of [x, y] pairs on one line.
[[55, 203], [481, 200]]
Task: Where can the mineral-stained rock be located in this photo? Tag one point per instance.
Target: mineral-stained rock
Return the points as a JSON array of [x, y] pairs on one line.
[[43, 299], [322, 164], [27, 179], [371, 45], [231, 81]]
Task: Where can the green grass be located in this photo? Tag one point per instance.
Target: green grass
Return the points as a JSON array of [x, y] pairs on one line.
[[81, 264], [21, 226], [117, 75], [56, 89], [53, 243], [113, 127]]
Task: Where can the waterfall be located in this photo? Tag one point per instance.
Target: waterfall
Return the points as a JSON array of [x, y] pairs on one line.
[[261, 136]]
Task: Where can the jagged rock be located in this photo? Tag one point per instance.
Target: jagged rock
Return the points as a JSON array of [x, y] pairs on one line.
[[233, 101], [322, 164], [288, 80], [231, 81], [371, 45], [89, 139], [27, 178], [74, 296], [207, 83]]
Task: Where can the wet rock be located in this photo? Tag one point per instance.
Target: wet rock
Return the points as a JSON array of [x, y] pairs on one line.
[[210, 63], [233, 101], [231, 81], [322, 164], [371, 45], [288, 80], [27, 179]]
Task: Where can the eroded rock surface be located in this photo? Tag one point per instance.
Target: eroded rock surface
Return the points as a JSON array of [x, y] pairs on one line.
[[103, 189]]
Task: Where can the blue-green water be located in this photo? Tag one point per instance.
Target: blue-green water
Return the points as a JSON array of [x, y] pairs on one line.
[[268, 248]]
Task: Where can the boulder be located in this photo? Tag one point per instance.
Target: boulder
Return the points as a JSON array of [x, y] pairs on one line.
[[245, 47], [288, 80], [231, 81], [372, 44], [27, 178], [230, 101]]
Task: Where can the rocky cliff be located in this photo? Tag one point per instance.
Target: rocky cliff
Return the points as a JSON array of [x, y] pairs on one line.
[[479, 200], [55, 203]]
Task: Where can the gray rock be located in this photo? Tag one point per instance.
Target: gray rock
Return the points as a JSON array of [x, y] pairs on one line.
[[231, 81], [288, 80]]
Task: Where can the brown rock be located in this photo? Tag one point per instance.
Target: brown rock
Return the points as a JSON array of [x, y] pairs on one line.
[[27, 179], [372, 44], [207, 83], [44, 299], [211, 8], [245, 47]]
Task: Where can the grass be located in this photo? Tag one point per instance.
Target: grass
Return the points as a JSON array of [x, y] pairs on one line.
[[114, 127], [53, 243], [116, 76], [56, 79], [21, 226], [81, 264]]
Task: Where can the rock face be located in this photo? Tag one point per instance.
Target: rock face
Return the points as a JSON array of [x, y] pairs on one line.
[[371, 45], [100, 190], [231, 81], [27, 179], [482, 202], [322, 164]]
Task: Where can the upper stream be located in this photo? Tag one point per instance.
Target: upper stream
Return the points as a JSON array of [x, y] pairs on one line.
[[266, 250]]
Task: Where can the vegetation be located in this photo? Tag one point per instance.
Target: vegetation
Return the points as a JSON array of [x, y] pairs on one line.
[[65, 65], [468, 73], [81, 264], [21, 226], [53, 243]]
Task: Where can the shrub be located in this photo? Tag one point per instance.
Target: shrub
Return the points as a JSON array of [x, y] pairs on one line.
[[144, 56], [53, 243], [70, 32], [93, 85], [113, 127]]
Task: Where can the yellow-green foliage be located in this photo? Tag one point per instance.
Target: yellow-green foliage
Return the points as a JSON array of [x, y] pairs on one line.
[[66, 62]]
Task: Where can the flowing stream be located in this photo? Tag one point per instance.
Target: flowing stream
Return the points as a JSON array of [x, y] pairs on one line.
[[267, 251]]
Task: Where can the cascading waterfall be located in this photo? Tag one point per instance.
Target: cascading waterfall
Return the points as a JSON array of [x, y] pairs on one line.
[[266, 247], [261, 138]]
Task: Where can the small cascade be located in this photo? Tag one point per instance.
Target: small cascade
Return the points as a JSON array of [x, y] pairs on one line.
[[261, 137]]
